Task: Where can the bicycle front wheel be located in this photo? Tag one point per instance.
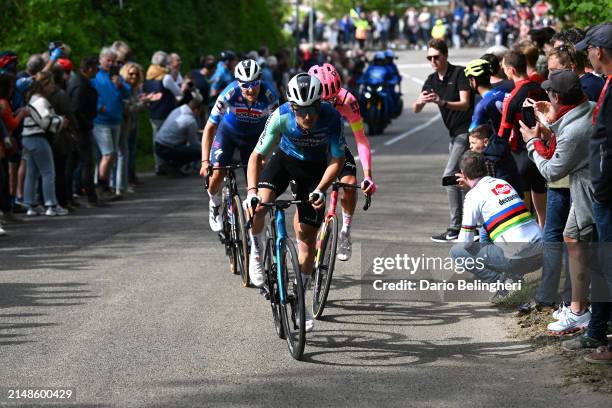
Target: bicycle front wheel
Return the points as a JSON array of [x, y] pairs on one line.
[[241, 241], [230, 249], [293, 309], [325, 267], [273, 291]]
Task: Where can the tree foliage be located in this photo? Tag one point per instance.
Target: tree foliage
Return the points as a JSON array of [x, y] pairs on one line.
[[581, 13], [189, 27]]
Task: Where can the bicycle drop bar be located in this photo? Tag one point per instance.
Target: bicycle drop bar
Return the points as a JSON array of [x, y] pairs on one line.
[[210, 170], [337, 184]]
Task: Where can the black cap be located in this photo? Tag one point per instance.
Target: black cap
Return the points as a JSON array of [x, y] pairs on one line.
[[564, 82], [598, 36]]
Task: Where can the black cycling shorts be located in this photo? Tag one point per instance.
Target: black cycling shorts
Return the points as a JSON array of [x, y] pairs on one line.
[[531, 178], [349, 168], [281, 169]]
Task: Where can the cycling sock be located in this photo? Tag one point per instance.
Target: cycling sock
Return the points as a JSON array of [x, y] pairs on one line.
[[216, 199], [347, 219], [256, 241]]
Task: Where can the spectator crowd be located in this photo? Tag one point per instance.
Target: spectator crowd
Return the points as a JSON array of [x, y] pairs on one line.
[[535, 111]]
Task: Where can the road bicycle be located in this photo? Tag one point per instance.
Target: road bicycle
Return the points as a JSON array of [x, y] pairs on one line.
[[327, 240], [234, 233], [284, 288]]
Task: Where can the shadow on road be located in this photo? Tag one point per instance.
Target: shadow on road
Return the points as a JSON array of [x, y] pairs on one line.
[[35, 295]]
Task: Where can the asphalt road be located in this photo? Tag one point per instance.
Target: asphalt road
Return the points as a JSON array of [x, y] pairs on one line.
[[134, 306]]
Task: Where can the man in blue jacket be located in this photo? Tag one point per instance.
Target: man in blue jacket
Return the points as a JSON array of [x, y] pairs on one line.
[[112, 90]]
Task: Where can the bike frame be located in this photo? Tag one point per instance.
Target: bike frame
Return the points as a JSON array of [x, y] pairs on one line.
[[281, 235]]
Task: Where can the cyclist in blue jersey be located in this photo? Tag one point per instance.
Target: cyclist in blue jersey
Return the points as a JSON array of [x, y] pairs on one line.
[[300, 133], [489, 110], [395, 78], [236, 121], [223, 74]]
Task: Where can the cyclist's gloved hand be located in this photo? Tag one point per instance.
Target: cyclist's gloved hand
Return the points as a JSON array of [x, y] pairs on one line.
[[56, 54], [371, 186], [317, 198], [250, 202]]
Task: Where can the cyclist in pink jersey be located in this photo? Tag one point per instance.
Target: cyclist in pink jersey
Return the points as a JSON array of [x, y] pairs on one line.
[[348, 107]]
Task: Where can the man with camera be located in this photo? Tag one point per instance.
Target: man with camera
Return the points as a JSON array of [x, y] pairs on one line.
[[112, 90], [448, 88]]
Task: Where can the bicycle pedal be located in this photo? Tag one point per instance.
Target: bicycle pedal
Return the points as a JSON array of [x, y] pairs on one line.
[[265, 292]]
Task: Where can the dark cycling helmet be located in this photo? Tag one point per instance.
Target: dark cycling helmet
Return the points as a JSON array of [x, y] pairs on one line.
[[304, 89], [227, 55], [477, 68], [247, 70]]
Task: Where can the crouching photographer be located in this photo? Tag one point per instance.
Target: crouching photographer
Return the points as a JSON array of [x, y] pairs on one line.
[[515, 247]]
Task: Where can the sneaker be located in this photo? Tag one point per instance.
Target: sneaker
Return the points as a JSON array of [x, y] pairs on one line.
[[256, 271], [449, 235], [527, 308], [345, 249], [34, 211], [56, 211], [561, 310], [570, 322], [603, 355], [581, 342], [2, 231], [214, 218], [502, 294]]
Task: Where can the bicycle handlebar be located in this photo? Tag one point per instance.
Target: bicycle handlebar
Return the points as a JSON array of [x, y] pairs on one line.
[[210, 170], [337, 184]]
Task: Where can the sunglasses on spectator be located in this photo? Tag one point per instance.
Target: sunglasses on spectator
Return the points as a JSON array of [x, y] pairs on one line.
[[251, 84], [433, 57], [133, 74], [303, 111]]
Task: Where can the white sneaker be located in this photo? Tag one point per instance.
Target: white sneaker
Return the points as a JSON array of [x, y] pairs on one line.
[[570, 322], [34, 211], [214, 218], [56, 211], [256, 271], [561, 310]]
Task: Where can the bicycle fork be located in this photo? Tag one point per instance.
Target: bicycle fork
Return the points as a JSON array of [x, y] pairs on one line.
[[280, 260]]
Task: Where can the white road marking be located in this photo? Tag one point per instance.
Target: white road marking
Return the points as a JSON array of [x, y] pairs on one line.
[[413, 131]]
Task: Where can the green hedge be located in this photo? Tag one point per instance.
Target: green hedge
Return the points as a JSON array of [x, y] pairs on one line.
[[189, 27]]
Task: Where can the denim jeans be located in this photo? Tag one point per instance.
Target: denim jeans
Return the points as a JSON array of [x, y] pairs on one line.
[[132, 138], [177, 156], [602, 311], [557, 209], [39, 163], [456, 147], [120, 170], [497, 266], [156, 124]]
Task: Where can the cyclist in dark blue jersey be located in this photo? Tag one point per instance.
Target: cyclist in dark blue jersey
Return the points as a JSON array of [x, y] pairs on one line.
[[489, 109], [300, 135], [236, 121]]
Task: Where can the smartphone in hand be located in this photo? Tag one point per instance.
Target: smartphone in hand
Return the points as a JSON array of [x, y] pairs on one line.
[[449, 181]]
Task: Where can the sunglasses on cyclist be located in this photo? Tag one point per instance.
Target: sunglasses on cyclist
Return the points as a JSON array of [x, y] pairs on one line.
[[433, 57], [251, 84], [303, 111]]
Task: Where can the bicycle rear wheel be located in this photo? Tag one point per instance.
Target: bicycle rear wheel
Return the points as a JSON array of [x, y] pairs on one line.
[[241, 241], [270, 269], [325, 268], [293, 310]]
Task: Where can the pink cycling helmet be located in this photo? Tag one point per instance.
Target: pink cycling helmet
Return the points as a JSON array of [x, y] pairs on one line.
[[329, 77]]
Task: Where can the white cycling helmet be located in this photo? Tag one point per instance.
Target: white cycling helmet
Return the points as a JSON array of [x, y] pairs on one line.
[[304, 89], [247, 70]]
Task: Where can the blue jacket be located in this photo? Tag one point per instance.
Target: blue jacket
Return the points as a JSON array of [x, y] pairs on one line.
[[111, 98]]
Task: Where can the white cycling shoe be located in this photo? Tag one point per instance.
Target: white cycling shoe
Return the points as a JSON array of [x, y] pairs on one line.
[[214, 218], [309, 320]]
